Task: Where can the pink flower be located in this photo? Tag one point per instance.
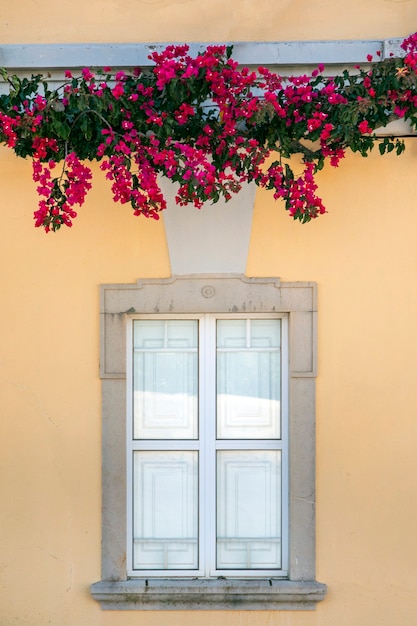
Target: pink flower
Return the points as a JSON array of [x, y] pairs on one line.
[[364, 127], [184, 112], [400, 111], [118, 90], [87, 74]]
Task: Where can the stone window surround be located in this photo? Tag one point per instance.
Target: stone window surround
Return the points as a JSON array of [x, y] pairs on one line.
[[189, 294]]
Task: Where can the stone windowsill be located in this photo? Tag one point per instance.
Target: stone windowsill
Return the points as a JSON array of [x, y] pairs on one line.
[[219, 594]]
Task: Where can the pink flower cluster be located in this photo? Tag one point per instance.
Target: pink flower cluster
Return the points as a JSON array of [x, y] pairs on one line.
[[60, 194], [410, 46], [140, 188], [298, 193], [8, 126]]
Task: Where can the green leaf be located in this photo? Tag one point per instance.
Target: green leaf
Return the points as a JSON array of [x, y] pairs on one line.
[[15, 81], [61, 129]]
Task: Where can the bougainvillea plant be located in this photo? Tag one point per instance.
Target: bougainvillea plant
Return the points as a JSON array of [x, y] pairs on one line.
[[205, 124]]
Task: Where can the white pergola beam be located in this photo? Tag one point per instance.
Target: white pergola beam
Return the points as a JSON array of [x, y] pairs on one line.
[[32, 57]]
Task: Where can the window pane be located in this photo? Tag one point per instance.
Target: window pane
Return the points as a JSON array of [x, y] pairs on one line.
[[248, 379], [248, 509], [265, 333], [165, 510], [231, 333], [165, 379]]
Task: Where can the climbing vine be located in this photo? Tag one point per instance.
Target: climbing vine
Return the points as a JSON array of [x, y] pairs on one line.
[[204, 123]]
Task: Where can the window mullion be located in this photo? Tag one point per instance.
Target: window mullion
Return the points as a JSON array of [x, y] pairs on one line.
[[207, 387]]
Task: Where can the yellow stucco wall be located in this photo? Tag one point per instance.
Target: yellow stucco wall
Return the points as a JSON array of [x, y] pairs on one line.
[[362, 255], [31, 21]]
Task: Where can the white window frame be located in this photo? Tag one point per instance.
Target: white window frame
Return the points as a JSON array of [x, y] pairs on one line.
[[207, 447], [195, 294]]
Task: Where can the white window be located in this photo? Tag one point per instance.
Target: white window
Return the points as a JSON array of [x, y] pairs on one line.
[[207, 446], [209, 484]]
